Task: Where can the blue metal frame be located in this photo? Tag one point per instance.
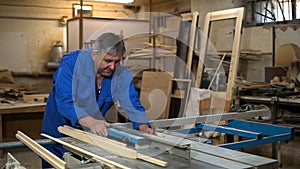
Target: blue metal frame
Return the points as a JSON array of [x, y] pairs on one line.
[[258, 133], [271, 133]]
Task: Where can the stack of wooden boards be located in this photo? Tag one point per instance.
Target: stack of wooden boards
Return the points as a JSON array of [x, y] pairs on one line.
[[12, 92]]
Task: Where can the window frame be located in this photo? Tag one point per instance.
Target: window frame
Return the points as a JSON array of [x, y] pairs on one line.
[[251, 15]]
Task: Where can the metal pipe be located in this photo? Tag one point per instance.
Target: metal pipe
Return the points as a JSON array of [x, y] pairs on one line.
[[279, 153], [19, 144]]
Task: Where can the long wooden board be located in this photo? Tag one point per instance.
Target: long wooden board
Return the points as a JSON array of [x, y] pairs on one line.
[[96, 140], [80, 150], [99, 138], [41, 151], [108, 145]]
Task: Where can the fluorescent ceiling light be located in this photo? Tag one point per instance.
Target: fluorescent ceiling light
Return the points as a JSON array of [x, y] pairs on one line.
[[114, 1], [84, 7]]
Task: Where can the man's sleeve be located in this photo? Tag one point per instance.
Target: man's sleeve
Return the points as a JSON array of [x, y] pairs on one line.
[[134, 98], [124, 91], [63, 92], [75, 91]]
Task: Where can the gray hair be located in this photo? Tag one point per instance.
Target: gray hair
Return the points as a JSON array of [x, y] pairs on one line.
[[110, 43]]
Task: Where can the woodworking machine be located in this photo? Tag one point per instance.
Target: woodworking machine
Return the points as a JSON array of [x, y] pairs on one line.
[[179, 143]]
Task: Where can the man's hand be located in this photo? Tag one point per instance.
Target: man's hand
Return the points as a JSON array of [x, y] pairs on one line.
[[98, 127], [146, 129]]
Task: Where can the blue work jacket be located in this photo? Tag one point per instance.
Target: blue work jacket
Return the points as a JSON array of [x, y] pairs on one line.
[[74, 94]]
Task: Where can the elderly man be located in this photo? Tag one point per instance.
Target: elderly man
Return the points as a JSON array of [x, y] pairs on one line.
[[86, 85]]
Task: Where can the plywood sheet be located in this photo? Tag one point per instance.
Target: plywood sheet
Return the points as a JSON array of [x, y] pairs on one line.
[[155, 94]]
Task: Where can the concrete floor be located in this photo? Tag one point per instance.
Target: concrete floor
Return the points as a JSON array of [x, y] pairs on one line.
[[290, 152]]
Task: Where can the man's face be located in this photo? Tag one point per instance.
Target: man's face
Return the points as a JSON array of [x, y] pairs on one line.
[[107, 64]]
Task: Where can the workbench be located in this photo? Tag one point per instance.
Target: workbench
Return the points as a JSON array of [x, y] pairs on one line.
[[274, 102], [20, 116]]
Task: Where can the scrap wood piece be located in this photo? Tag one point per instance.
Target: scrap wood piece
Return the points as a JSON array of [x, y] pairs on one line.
[[80, 150], [109, 145], [41, 151], [32, 98]]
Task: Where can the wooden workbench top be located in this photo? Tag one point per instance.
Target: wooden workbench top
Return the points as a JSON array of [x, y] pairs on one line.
[[22, 108]]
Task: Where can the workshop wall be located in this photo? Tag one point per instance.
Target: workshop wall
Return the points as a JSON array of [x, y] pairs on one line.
[[33, 25], [29, 44], [260, 39], [29, 28], [171, 7]]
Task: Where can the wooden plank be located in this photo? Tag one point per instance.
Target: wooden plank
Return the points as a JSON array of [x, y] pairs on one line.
[[41, 151], [80, 150], [222, 15], [235, 54], [102, 139], [109, 145], [105, 143], [187, 16], [203, 46], [156, 90], [191, 48], [22, 108]]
